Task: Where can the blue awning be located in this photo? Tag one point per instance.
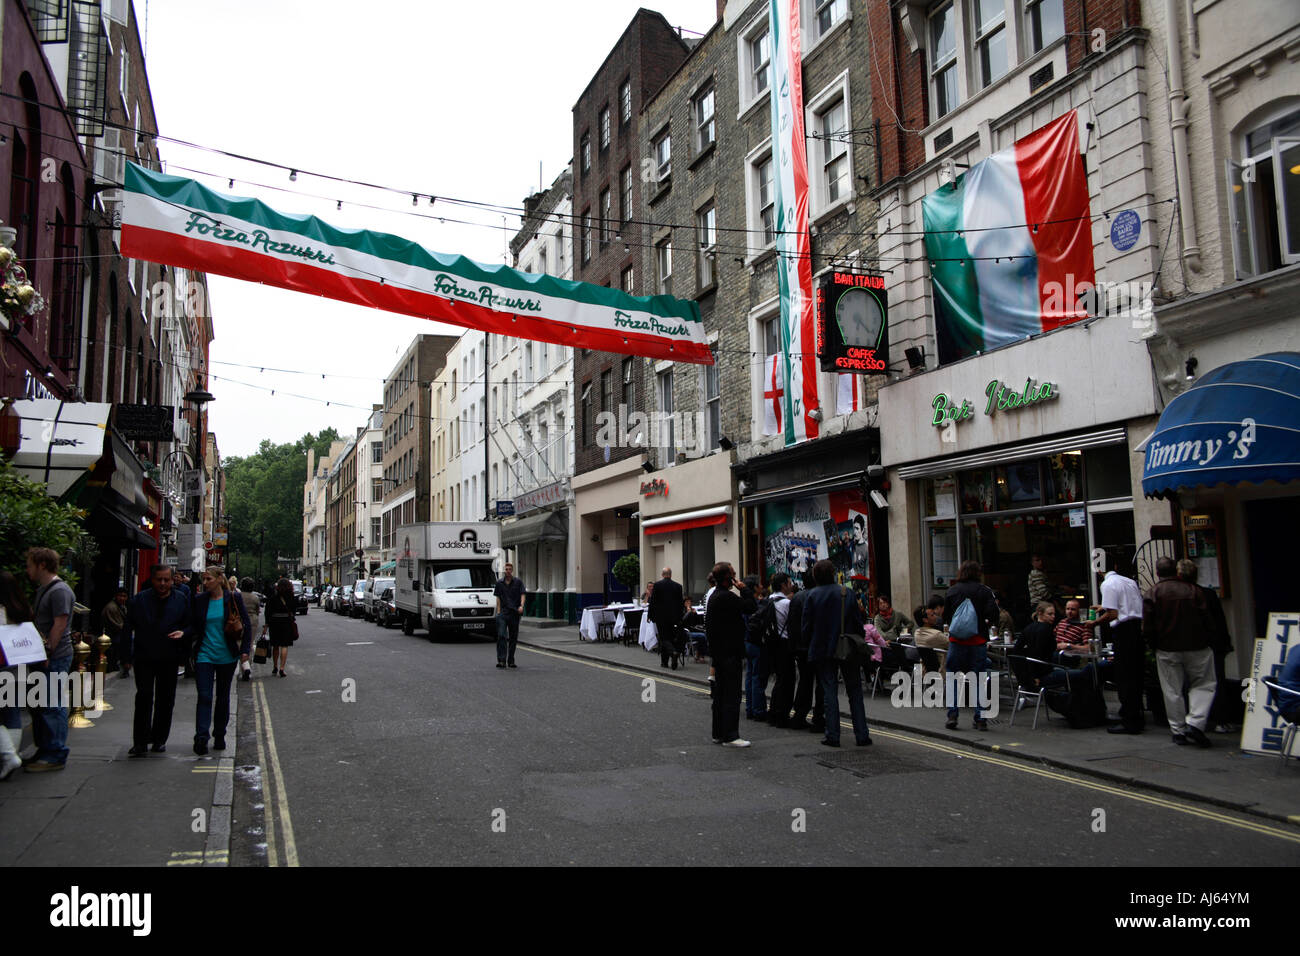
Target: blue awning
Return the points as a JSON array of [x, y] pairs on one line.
[[1238, 423]]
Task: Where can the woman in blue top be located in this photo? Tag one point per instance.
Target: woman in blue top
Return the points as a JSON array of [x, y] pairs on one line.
[[216, 654]]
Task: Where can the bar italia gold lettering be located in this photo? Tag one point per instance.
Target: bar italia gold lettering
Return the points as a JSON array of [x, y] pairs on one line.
[[1000, 398]]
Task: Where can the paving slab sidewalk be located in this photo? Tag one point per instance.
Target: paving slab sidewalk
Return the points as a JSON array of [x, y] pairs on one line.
[[106, 809], [1223, 775]]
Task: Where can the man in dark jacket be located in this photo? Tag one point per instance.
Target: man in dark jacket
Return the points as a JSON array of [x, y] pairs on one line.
[[153, 643], [829, 612], [808, 692], [725, 625], [665, 612], [969, 655], [1175, 626]]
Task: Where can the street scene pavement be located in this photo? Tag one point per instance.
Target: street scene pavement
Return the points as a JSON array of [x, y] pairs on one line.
[[379, 749]]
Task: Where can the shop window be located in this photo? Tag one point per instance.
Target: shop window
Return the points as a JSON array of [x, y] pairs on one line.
[[977, 491], [1064, 483], [1018, 485], [1107, 470], [1265, 200]]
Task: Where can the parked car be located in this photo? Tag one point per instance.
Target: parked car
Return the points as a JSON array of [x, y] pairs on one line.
[[373, 590], [331, 600], [359, 598], [310, 593], [299, 596], [345, 600], [386, 608]]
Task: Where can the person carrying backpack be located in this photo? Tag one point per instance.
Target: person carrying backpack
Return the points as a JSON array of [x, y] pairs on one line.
[[970, 609]]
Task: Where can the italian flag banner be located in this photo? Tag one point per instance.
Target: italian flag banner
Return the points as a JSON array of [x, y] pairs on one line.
[[180, 222], [1009, 242], [793, 255]]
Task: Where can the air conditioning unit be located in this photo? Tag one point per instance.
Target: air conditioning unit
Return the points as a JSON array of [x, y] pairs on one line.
[[182, 431]]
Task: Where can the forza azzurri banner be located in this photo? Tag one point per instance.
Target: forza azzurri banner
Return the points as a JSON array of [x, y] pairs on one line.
[[793, 255], [180, 222]]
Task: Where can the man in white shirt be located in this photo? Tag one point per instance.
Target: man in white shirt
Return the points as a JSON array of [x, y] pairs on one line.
[[1121, 608], [782, 654]]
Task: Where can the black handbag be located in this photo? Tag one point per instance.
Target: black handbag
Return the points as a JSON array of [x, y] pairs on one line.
[[849, 648]]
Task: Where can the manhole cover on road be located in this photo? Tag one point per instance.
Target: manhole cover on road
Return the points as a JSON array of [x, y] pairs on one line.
[[868, 762], [1135, 764]]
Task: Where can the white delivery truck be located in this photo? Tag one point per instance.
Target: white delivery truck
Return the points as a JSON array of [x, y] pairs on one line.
[[446, 572]]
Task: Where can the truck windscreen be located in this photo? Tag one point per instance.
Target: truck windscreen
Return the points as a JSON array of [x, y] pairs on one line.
[[448, 576]]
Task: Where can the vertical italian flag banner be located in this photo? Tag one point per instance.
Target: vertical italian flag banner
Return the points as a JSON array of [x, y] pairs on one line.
[[793, 255], [180, 222], [1010, 243]]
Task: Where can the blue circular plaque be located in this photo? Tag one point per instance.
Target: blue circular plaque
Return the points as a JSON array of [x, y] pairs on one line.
[[1125, 230]]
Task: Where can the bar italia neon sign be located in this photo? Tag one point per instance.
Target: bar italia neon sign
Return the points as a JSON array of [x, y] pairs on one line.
[[1000, 397]]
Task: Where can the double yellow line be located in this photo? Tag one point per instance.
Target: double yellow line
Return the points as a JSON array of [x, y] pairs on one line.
[[275, 798], [1018, 766]]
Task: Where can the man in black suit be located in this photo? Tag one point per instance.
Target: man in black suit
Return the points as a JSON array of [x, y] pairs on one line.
[[828, 612], [666, 608]]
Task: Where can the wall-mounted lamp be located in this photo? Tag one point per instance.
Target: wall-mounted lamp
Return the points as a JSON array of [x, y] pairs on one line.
[[725, 443], [647, 466], [915, 358], [1191, 368]]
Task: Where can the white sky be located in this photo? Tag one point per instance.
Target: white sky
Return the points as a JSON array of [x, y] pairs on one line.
[[453, 99]]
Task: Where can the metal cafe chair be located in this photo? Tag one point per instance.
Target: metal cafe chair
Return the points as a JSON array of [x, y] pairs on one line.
[[1281, 693], [1022, 667]]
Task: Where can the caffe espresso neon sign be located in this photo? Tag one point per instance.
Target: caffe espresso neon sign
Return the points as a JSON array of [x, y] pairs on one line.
[[999, 397]]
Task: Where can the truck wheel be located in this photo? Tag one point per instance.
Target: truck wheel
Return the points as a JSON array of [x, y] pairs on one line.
[[431, 630], [408, 625]]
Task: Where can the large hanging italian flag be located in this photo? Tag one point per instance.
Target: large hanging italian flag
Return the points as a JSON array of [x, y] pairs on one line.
[[180, 222], [793, 249], [1009, 242]]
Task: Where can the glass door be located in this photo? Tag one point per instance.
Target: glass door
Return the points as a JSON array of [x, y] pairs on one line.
[[1112, 541]]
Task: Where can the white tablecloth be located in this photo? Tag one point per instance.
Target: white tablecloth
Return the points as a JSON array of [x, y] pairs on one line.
[[593, 617], [649, 634]]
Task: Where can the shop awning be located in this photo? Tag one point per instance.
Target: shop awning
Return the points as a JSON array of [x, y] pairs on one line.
[[547, 526], [60, 441], [805, 490], [685, 520], [1238, 423]]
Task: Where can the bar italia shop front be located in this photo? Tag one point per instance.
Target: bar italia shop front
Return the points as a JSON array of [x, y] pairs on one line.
[[1026, 450]]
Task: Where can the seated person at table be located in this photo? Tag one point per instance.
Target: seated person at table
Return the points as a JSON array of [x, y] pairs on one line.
[[1072, 632], [888, 622], [1036, 641], [693, 622], [929, 633]]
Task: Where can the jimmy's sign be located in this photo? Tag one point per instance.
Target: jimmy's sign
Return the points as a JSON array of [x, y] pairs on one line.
[[853, 323], [182, 223]]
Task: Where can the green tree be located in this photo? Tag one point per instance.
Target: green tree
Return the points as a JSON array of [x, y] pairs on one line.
[[264, 490], [31, 518]]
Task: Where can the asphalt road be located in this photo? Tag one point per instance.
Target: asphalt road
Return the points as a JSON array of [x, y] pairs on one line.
[[380, 749]]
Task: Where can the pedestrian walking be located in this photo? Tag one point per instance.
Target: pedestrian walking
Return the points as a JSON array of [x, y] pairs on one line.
[[509, 593], [808, 691], [968, 634], [222, 635], [725, 624], [253, 605], [281, 624], [665, 610], [1121, 609], [153, 638], [14, 609], [1175, 625], [781, 653], [829, 612], [756, 655], [52, 614], [113, 619]]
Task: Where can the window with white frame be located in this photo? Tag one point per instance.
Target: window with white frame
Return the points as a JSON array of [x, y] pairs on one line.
[[606, 215], [943, 60], [586, 153], [712, 402], [626, 395], [542, 359], [1044, 23], [604, 128], [625, 194], [826, 14], [626, 280], [755, 67], [830, 156], [706, 239], [625, 103], [1265, 196], [990, 35], [667, 437], [760, 198], [663, 155], [586, 237], [702, 111], [664, 267]]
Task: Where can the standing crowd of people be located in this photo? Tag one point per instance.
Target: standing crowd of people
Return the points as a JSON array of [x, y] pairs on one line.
[[159, 635]]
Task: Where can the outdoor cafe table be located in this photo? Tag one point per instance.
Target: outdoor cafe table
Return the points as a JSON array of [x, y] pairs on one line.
[[593, 617]]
